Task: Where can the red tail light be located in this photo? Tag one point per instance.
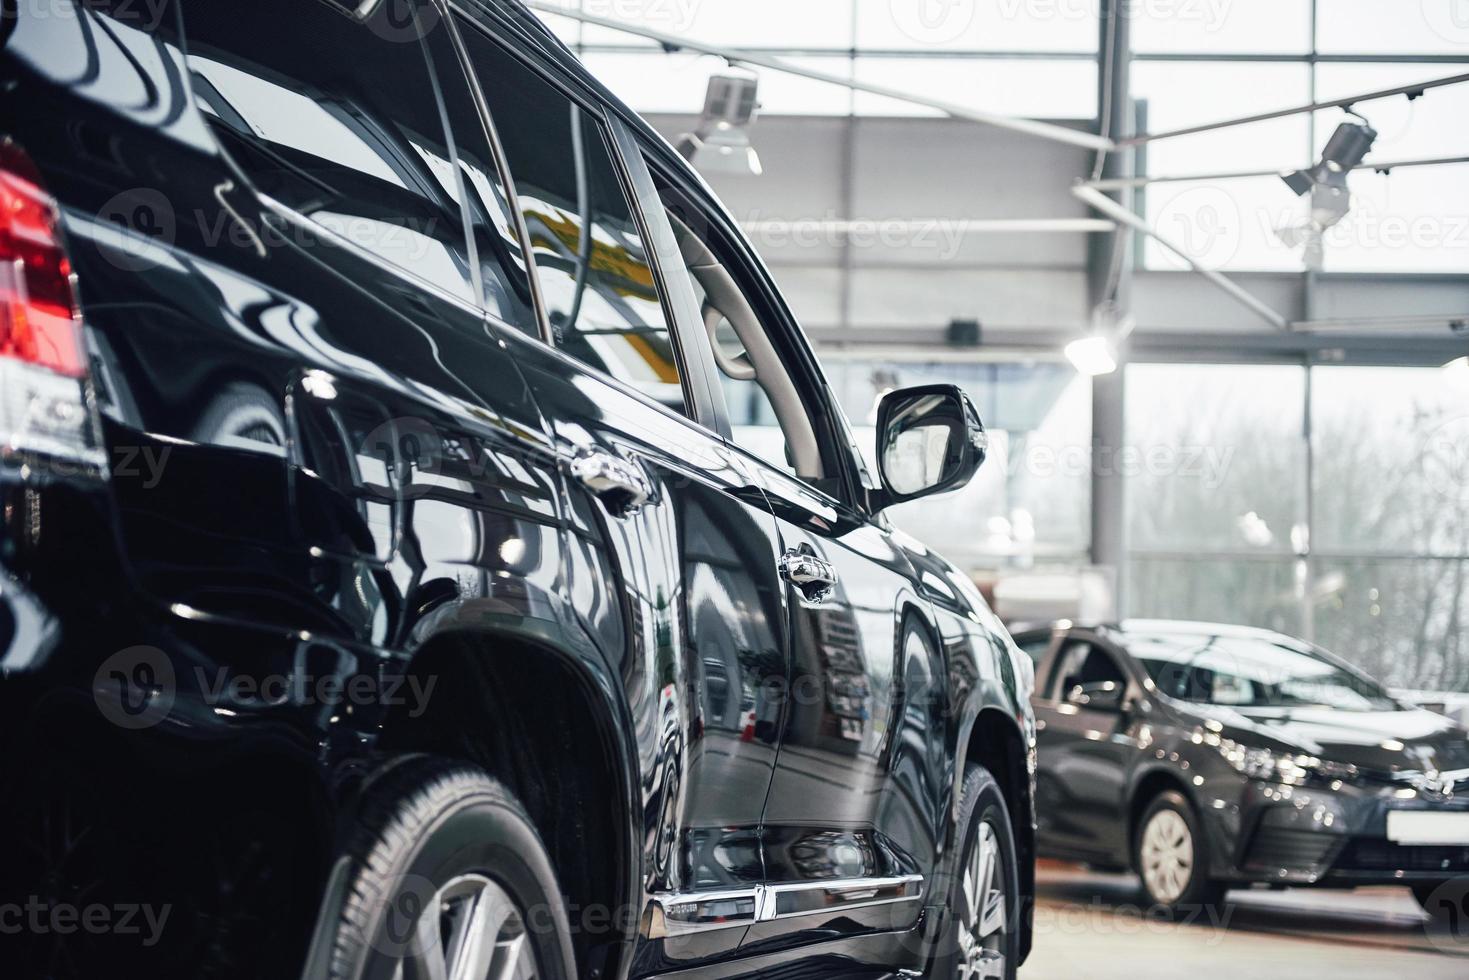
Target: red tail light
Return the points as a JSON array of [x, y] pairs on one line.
[[48, 422], [38, 309]]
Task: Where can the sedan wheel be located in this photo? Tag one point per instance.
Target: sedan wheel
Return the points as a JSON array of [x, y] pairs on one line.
[[471, 930], [1171, 858], [1167, 856]]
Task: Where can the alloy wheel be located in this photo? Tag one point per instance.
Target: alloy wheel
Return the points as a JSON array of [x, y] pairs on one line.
[[470, 930], [983, 919], [1167, 856]]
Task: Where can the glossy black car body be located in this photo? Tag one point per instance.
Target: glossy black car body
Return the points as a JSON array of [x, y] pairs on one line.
[[340, 516], [1292, 793]]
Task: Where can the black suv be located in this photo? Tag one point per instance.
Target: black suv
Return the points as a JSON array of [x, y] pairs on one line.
[[1207, 756], [430, 548]]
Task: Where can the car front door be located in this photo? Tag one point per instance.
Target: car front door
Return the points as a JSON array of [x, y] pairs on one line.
[[851, 821], [1085, 747], [673, 553]]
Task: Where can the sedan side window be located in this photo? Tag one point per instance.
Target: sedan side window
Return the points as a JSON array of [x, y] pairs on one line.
[[1085, 666]]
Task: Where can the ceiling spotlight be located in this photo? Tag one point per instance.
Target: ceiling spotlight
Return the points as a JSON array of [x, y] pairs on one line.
[[1093, 355], [1097, 352], [1327, 182], [721, 143], [1347, 147]]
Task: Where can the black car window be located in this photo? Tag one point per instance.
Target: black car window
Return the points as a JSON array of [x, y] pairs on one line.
[[591, 261], [338, 120], [1083, 664]]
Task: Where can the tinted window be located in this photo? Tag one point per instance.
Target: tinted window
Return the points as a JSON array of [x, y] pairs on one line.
[[591, 261], [338, 120], [1081, 665]]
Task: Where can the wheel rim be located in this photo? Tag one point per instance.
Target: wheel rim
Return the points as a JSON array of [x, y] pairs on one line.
[[1167, 856], [983, 917], [471, 930]]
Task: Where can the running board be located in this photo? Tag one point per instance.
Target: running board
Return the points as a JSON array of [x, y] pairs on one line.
[[679, 914]]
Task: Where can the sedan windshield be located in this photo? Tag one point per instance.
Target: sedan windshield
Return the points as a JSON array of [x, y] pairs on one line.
[[1249, 672]]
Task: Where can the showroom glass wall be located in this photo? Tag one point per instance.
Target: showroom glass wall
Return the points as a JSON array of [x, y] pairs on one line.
[[1330, 503], [1187, 71], [1334, 504]]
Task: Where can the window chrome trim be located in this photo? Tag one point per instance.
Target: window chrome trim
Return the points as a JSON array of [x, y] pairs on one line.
[[683, 913], [451, 13]]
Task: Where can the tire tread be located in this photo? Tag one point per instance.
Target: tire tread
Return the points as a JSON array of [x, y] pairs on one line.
[[398, 809]]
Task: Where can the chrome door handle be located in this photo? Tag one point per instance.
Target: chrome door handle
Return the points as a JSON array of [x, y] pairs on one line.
[[814, 577], [618, 483]]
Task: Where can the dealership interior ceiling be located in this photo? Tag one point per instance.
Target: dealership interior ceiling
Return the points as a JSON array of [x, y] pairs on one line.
[[1282, 442]]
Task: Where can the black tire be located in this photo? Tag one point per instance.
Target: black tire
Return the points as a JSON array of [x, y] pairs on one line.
[[241, 413], [1198, 891], [983, 806], [427, 823]]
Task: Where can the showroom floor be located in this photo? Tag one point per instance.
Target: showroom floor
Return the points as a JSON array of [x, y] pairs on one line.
[[1089, 925]]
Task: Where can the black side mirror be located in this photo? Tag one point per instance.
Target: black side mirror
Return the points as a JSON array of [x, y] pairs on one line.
[[929, 440], [1097, 696]]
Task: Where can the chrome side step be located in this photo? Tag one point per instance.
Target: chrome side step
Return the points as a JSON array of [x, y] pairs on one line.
[[679, 914]]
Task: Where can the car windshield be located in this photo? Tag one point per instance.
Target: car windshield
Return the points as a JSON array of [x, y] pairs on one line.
[[1249, 672]]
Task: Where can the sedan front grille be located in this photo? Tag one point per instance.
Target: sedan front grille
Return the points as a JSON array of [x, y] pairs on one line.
[[1377, 854], [1278, 849]]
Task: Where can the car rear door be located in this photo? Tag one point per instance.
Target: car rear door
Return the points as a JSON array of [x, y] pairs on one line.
[[1084, 753], [362, 322]]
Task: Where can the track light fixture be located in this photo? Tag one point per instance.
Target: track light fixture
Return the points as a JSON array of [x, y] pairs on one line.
[[1327, 182], [721, 143]]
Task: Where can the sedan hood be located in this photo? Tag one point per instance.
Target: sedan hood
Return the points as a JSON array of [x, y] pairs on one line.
[[1407, 740]]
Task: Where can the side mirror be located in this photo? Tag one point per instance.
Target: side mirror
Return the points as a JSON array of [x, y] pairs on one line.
[[929, 440], [1098, 696]]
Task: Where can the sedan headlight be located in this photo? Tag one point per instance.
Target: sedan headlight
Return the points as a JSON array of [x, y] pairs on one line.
[[1264, 764]]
